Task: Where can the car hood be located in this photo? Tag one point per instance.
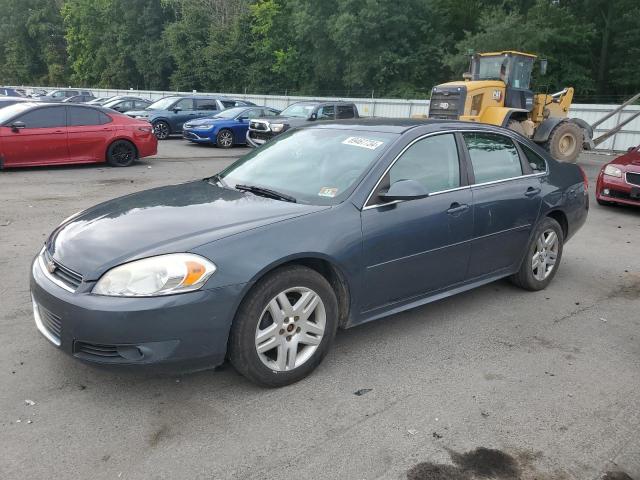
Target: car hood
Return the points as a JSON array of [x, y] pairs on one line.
[[283, 119], [630, 158], [203, 120], [176, 218]]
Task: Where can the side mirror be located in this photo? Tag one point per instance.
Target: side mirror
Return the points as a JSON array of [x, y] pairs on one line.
[[543, 66], [405, 190], [313, 116], [16, 126], [177, 109]]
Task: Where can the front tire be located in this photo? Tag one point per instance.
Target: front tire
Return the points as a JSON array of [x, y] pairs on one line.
[[121, 153], [284, 327], [565, 142], [224, 138], [542, 258], [161, 130]]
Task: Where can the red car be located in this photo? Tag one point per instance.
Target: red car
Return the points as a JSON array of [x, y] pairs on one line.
[[53, 134], [619, 180]]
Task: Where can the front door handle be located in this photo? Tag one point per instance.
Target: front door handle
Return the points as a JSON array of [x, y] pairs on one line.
[[457, 208], [532, 192]]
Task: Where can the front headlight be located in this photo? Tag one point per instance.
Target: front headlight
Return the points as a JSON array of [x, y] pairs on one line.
[[203, 126], [153, 276], [612, 171], [277, 127]]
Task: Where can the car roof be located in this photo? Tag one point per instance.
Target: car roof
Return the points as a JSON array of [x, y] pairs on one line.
[[401, 125]]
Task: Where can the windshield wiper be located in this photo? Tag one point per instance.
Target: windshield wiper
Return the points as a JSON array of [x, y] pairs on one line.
[[266, 192]]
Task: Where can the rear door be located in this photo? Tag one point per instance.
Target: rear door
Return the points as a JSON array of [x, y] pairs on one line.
[[506, 199], [43, 140], [89, 132], [345, 111], [205, 107]]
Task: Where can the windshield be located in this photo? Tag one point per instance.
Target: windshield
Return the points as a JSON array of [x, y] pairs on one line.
[[317, 166], [163, 103], [230, 112], [302, 110]]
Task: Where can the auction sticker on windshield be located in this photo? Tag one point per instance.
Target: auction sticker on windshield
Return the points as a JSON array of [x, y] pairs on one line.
[[328, 192], [363, 142]]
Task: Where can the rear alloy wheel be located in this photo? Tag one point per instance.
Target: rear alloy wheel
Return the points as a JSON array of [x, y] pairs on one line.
[[284, 327], [543, 256], [121, 153], [565, 142], [224, 139], [161, 130]]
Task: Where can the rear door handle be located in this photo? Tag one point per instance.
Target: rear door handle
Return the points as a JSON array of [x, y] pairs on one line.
[[457, 208], [532, 191]]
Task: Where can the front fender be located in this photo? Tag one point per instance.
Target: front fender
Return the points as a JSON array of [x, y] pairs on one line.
[[546, 127]]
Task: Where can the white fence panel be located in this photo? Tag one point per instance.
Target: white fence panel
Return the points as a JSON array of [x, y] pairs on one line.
[[629, 136]]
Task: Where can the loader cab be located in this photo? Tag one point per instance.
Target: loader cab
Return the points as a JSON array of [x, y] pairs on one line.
[[513, 69]]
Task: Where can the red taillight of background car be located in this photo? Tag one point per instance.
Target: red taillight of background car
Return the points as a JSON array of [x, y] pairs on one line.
[[584, 178]]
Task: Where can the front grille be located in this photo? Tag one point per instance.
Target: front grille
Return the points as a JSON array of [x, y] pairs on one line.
[[189, 135], [260, 135], [619, 194], [51, 322], [633, 178], [258, 126], [62, 273], [447, 103], [96, 351]]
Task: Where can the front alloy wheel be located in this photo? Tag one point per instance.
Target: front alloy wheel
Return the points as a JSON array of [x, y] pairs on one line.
[[284, 326], [290, 328]]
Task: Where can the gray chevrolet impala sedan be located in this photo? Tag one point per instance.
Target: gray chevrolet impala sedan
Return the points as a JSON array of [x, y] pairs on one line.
[[324, 227]]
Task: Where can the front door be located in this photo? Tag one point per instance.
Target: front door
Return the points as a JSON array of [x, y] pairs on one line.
[[418, 246], [42, 140], [506, 203], [183, 111]]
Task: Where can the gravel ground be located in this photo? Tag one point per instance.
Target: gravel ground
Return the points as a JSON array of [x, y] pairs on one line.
[[497, 382]]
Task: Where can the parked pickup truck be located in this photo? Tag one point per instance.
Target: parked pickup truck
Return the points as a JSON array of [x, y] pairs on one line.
[[298, 114]]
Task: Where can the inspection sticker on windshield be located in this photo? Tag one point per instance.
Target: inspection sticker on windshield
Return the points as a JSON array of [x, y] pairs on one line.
[[363, 142], [328, 192]]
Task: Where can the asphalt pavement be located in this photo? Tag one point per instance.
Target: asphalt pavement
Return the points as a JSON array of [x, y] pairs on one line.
[[497, 382]]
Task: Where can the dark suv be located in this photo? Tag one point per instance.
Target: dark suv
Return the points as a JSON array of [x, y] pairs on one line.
[[261, 130], [63, 94]]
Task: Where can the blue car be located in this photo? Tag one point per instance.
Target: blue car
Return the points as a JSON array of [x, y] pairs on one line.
[[331, 225], [227, 128], [169, 114]]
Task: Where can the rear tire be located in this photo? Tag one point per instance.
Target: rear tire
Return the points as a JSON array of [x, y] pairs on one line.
[[565, 142], [224, 138], [292, 340], [543, 256], [121, 153], [516, 126]]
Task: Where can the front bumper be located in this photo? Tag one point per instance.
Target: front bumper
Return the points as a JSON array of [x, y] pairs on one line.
[[256, 139], [182, 332], [617, 190], [197, 136]]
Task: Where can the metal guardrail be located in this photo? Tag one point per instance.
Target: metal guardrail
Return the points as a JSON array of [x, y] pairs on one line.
[[400, 108]]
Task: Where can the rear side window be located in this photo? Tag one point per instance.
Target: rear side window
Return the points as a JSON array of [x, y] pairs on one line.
[[78, 116], [494, 157], [536, 162], [432, 161], [50, 117], [269, 113], [345, 111], [206, 104]]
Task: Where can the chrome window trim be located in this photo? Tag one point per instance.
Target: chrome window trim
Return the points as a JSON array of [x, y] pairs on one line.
[[367, 207], [628, 182], [46, 273]]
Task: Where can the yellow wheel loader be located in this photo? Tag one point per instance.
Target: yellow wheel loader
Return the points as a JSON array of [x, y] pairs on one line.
[[496, 91]]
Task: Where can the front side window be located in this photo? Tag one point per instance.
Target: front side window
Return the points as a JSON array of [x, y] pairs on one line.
[[432, 162], [184, 104], [328, 112], [270, 113], [58, 94], [254, 113], [317, 166], [494, 157], [50, 117], [299, 110]]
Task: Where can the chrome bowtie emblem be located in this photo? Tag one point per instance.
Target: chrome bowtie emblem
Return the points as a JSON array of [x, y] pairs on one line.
[[51, 267]]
